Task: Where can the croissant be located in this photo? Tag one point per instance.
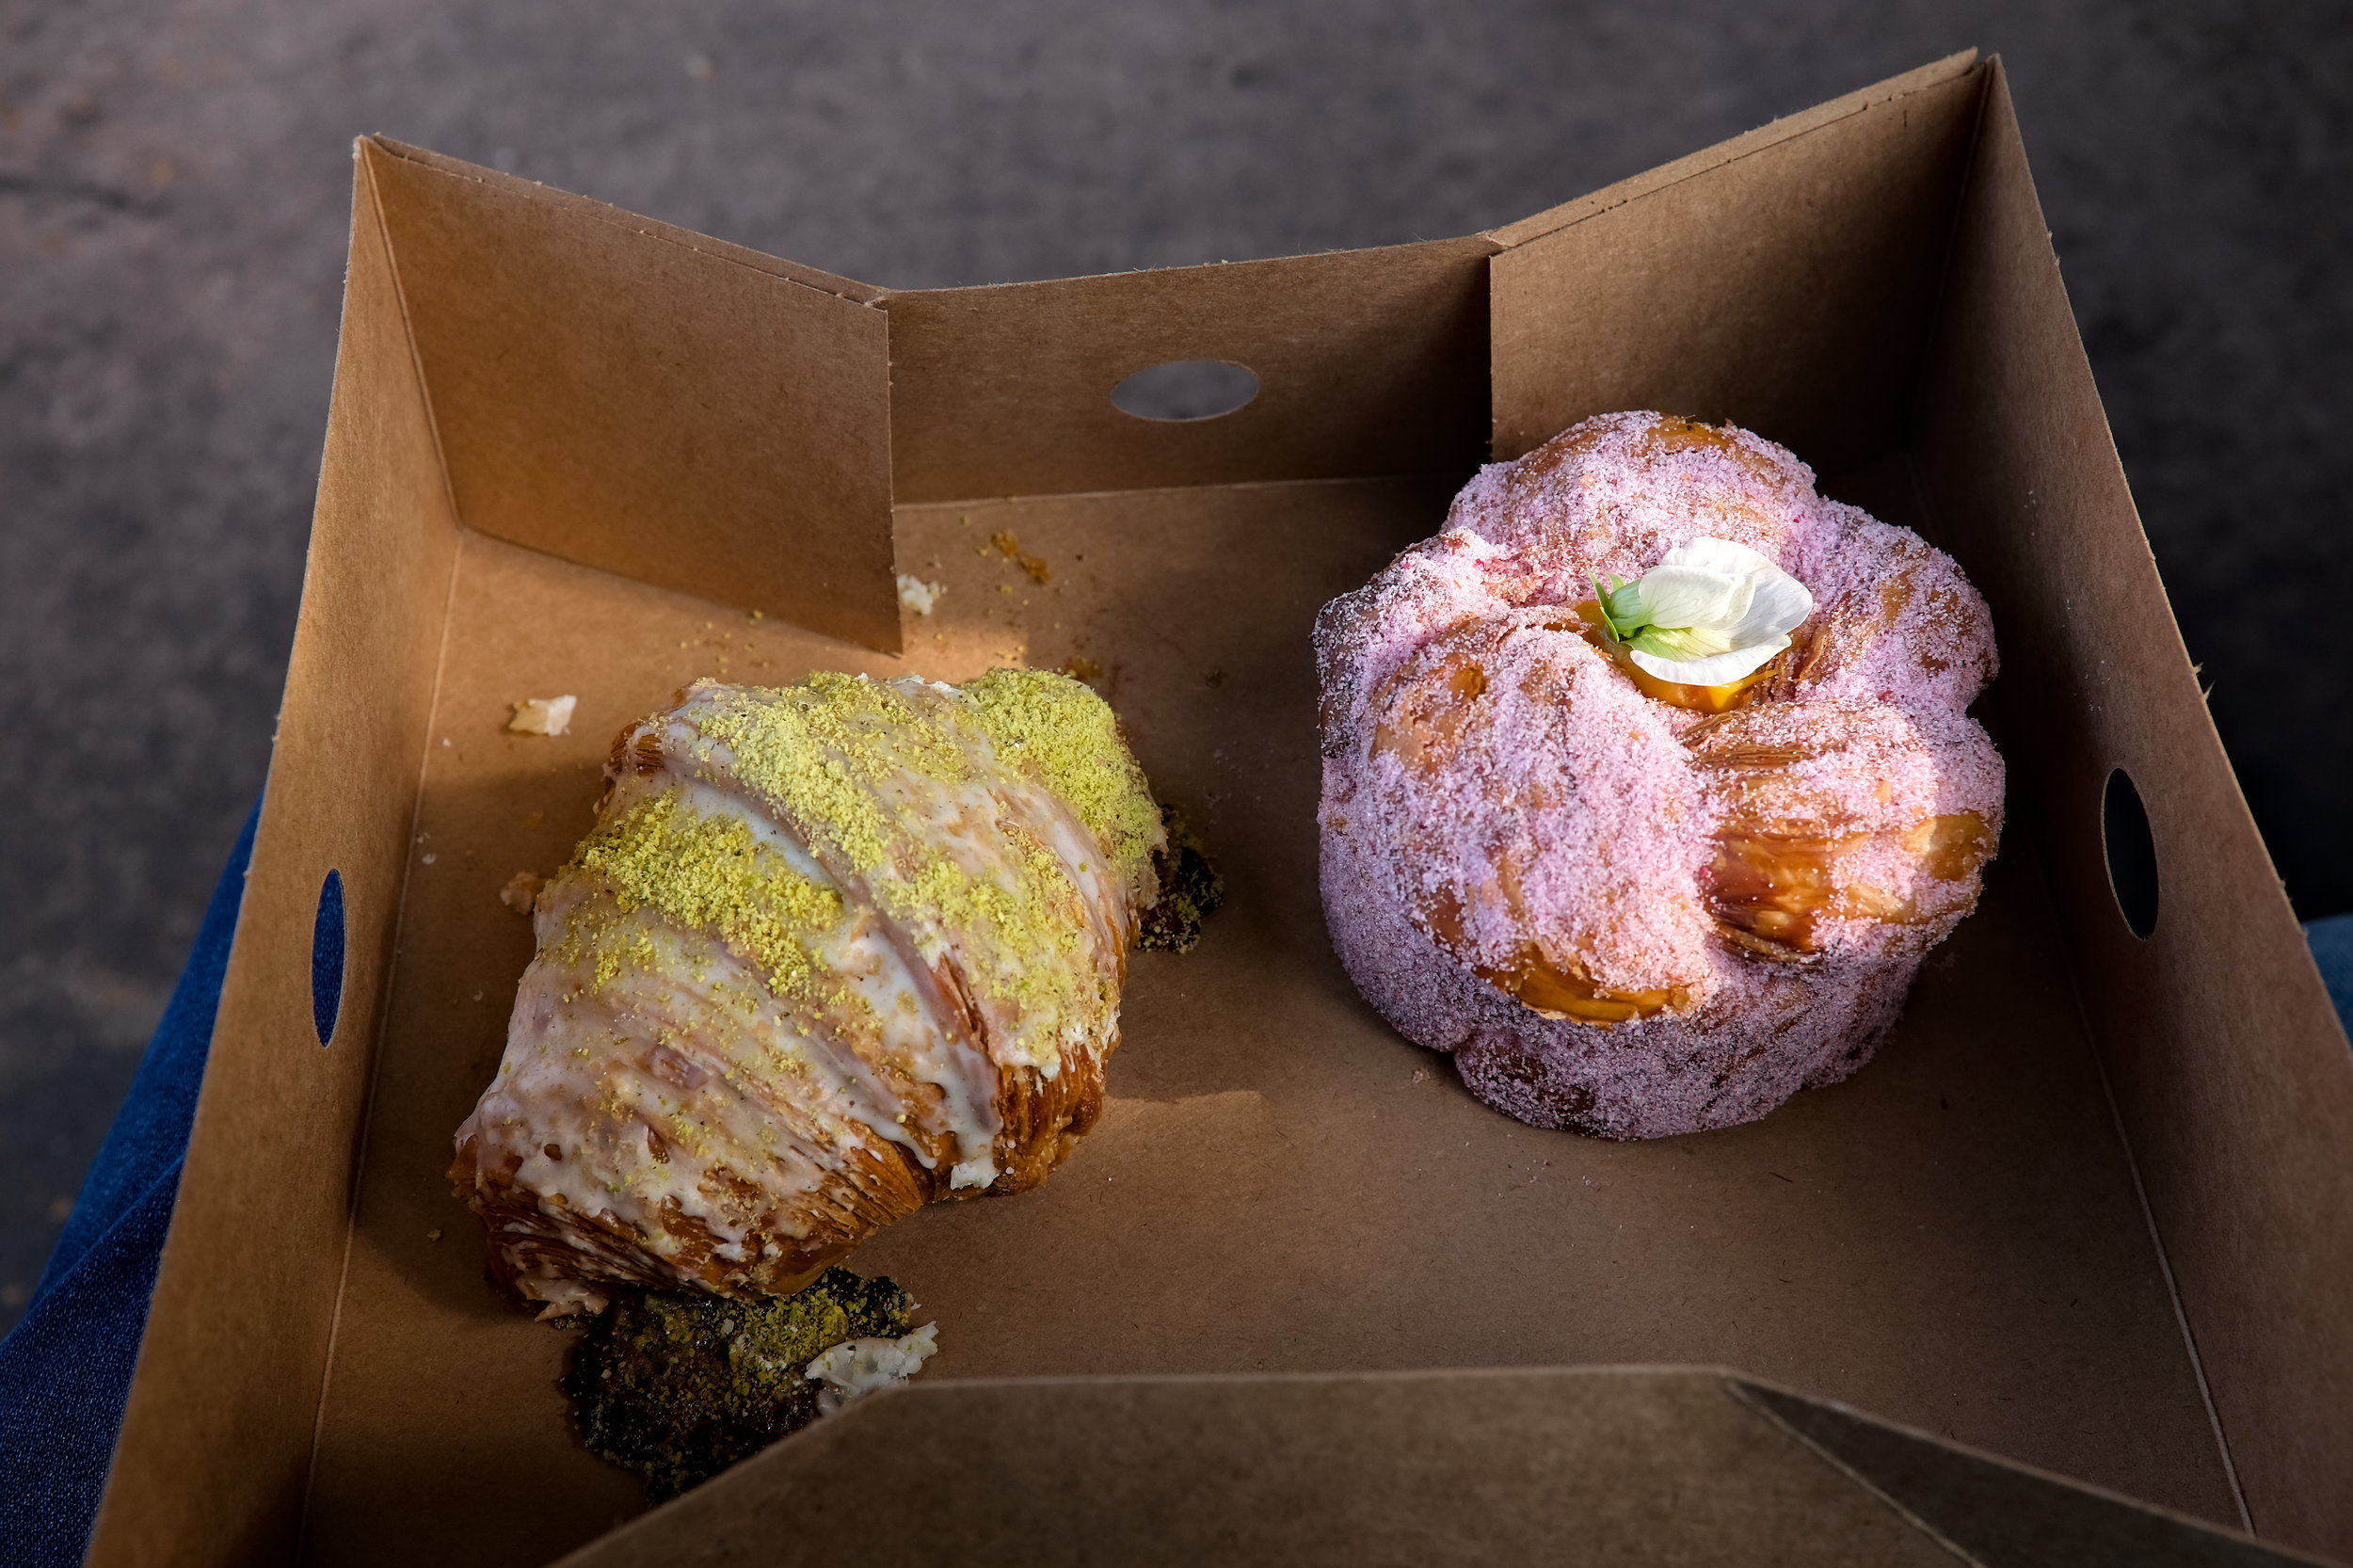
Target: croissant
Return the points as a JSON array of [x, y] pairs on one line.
[[833, 951], [1630, 901]]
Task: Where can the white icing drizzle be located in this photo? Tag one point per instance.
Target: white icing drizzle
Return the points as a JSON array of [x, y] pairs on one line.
[[856, 1368]]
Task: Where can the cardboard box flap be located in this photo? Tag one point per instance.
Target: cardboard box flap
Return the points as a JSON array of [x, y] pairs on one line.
[[590, 374], [248, 1277], [2002, 1514], [1368, 363], [1784, 129], [2229, 1070], [1598, 1465], [1788, 286]]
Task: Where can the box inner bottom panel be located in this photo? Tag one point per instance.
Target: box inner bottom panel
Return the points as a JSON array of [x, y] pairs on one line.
[[1952, 1239]]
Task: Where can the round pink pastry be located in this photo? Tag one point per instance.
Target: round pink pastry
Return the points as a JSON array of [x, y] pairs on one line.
[[1630, 905]]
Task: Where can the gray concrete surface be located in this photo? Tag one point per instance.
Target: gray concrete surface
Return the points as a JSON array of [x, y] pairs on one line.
[[173, 184]]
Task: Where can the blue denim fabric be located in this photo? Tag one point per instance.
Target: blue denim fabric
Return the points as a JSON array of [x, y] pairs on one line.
[[2333, 950], [66, 1369]]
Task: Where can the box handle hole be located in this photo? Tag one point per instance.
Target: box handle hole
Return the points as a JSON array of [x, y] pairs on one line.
[[2132, 854], [327, 958], [1186, 390]]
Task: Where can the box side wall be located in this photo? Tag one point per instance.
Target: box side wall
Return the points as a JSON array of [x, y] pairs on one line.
[[1789, 289], [635, 399], [1739, 147], [216, 1442], [1369, 363], [588, 209], [2232, 1077]]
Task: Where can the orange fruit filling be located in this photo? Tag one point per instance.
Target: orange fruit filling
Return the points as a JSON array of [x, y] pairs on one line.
[[1563, 992], [1556, 990], [1699, 700]]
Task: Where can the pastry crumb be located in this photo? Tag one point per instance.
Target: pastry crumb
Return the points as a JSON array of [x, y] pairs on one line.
[[521, 892], [918, 597], [1010, 548], [433, 1235], [542, 715], [1191, 889], [856, 1368], [678, 1385]]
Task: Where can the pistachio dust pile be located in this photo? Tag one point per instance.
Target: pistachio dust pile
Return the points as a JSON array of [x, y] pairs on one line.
[[678, 1385]]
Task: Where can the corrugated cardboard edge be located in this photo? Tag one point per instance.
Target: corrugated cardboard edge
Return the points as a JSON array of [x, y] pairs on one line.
[[249, 1268]]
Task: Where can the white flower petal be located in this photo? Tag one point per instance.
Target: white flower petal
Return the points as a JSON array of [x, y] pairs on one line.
[[1710, 554], [1715, 612], [1720, 669], [1693, 596], [1779, 607]]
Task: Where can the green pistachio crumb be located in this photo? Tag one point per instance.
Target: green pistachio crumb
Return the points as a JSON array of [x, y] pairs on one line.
[[678, 1385]]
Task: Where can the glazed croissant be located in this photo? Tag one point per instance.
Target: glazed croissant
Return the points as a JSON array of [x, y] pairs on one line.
[[833, 951]]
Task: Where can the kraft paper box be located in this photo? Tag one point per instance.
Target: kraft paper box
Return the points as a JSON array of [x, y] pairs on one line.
[[1299, 1297]]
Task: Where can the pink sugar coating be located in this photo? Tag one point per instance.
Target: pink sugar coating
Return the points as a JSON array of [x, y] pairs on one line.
[[1573, 794], [1570, 815]]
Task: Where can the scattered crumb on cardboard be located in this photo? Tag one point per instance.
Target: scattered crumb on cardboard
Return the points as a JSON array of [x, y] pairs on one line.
[[917, 597], [521, 892], [1010, 548], [1191, 889], [678, 1385], [1080, 668], [543, 715]]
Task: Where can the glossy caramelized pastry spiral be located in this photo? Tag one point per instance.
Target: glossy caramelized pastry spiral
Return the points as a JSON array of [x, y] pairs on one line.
[[1632, 907], [834, 949]]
